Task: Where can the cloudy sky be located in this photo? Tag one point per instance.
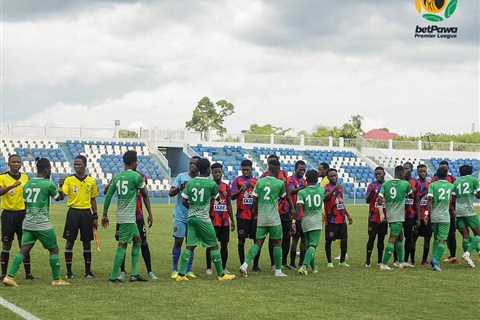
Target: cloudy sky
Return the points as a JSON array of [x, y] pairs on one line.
[[292, 63]]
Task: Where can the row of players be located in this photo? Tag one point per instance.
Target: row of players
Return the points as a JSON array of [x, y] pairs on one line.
[[206, 214]]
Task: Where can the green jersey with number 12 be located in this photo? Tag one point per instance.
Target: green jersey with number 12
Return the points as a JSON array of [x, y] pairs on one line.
[[465, 189]]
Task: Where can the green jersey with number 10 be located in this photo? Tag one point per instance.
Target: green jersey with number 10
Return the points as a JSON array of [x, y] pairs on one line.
[[465, 189], [311, 197], [268, 191], [440, 191]]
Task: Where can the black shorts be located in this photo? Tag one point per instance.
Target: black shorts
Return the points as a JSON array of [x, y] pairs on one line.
[[336, 231], [223, 234], [78, 219], [379, 229], [425, 230], [246, 228], [299, 230], [12, 224], [142, 229]]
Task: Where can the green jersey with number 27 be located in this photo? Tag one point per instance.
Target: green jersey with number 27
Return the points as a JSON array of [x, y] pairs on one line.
[[268, 191], [440, 191], [37, 193]]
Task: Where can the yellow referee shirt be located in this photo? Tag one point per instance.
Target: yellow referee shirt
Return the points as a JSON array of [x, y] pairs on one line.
[[80, 191], [324, 182], [13, 199]]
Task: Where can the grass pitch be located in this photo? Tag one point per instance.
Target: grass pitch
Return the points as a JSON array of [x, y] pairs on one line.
[[355, 293]]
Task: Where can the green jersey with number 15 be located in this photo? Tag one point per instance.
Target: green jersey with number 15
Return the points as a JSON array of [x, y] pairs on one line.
[[268, 191], [465, 189], [126, 185], [440, 191]]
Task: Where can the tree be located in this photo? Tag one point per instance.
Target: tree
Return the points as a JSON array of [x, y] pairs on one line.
[[123, 133], [266, 130], [208, 115]]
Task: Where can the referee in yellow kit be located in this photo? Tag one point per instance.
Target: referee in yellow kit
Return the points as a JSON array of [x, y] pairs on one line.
[[81, 192], [13, 211]]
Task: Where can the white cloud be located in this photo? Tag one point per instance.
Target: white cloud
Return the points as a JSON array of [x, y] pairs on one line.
[[147, 64]]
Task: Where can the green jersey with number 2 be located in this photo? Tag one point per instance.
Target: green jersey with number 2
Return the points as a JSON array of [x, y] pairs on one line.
[[268, 191]]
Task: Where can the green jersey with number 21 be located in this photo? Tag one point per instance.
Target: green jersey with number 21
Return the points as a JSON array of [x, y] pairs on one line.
[[440, 191]]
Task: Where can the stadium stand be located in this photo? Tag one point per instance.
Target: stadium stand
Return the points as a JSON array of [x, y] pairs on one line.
[[353, 172]]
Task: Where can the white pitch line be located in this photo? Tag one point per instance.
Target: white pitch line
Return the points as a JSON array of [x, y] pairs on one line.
[[17, 310]]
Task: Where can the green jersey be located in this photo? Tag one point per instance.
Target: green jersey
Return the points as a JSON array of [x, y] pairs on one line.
[[394, 193], [311, 197], [440, 191], [465, 189], [199, 192], [37, 193], [268, 191], [126, 185]]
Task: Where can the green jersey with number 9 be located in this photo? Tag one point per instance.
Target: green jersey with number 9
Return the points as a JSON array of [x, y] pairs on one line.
[[440, 191], [126, 185], [394, 193], [199, 192], [268, 191], [464, 190], [37, 193]]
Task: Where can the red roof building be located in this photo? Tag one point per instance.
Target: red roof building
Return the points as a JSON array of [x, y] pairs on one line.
[[379, 134]]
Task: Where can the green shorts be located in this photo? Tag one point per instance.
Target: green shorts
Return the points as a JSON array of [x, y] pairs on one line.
[[48, 238], [312, 238], [441, 230], [201, 232], [127, 231], [275, 232], [395, 228], [472, 222]]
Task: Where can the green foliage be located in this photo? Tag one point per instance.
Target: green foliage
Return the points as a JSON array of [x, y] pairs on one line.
[[432, 137], [208, 115], [349, 130], [266, 130], [123, 133]]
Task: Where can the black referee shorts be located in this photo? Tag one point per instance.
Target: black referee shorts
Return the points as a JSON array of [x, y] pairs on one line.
[[78, 220], [12, 224]]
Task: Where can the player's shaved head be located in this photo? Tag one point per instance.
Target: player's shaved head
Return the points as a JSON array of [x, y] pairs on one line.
[[312, 176], [466, 170], [204, 167], [399, 172], [442, 172]]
